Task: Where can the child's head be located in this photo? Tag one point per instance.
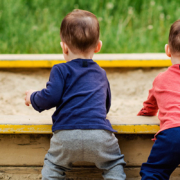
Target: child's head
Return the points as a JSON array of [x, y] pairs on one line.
[[79, 32], [173, 47]]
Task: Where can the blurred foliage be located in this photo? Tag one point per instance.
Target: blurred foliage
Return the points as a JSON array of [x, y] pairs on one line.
[[127, 26]]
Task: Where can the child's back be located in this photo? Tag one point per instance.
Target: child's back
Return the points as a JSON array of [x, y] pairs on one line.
[[165, 97], [80, 91], [83, 101]]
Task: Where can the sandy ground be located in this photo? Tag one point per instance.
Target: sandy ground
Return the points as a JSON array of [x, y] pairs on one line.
[[129, 88]]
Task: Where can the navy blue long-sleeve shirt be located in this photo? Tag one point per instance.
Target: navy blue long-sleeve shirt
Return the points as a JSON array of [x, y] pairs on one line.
[[80, 91]]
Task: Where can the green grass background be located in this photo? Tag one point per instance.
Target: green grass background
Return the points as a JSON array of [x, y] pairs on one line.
[[127, 26]]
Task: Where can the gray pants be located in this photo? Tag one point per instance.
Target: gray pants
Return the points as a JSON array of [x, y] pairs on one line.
[[97, 146]]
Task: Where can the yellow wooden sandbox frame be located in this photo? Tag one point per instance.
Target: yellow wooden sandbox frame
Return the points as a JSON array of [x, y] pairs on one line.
[[104, 60], [25, 139], [10, 124]]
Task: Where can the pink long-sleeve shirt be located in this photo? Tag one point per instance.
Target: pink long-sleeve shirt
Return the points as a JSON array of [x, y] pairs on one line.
[[165, 97]]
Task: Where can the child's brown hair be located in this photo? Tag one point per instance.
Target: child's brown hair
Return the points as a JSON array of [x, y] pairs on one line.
[[174, 38], [80, 31]]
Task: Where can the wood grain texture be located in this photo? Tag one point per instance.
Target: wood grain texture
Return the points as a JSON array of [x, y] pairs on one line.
[[77, 173], [29, 150]]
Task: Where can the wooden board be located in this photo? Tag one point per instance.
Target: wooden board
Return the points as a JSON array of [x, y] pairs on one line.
[[11, 124], [77, 173], [104, 60], [30, 150]]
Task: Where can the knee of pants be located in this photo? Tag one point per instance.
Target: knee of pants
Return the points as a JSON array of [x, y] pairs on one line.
[[152, 172], [52, 171]]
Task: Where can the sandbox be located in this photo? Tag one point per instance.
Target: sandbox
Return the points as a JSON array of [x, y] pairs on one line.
[[25, 152]]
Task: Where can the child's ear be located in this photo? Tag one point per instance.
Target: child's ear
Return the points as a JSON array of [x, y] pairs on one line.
[[64, 47], [98, 47], [167, 50]]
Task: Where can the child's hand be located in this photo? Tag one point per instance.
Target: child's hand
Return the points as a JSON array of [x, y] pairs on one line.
[[27, 97]]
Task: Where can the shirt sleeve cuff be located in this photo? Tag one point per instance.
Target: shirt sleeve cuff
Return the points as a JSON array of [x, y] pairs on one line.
[[33, 102]]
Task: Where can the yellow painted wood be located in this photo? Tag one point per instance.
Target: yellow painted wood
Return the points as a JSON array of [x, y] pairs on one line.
[[25, 129], [102, 63], [46, 129], [136, 129], [134, 63], [29, 63]]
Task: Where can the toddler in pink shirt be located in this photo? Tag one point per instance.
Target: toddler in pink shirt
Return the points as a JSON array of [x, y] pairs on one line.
[[165, 97]]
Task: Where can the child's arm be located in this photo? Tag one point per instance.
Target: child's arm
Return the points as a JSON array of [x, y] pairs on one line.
[[50, 96], [150, 106]]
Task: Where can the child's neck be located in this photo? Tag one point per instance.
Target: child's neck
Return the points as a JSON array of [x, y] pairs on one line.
[[175, 60], [72, 56]]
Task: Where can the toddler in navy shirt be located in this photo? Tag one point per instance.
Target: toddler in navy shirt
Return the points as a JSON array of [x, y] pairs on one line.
[[79, 89]]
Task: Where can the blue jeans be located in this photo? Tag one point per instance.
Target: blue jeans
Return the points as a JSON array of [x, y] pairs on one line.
[[97, 146], [164, 156]]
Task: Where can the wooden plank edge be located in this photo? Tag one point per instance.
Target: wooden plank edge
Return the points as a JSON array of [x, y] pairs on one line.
[[25, 129], [136, 129], [47, 129], [28, 173], [103, 63]]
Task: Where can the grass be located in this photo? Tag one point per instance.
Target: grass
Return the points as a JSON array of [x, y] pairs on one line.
[[127, 26]]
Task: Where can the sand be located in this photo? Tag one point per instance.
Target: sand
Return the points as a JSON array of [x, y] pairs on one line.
[[129, 88]]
